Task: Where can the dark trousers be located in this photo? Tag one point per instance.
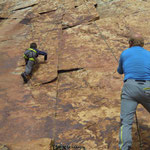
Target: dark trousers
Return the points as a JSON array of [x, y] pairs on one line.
[[29, 67]]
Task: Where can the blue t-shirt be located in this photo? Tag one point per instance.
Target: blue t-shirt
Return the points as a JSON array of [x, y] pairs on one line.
[[134, 63]]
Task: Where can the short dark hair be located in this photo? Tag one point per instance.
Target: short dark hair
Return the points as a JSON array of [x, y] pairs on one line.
[[33, 45], [136, 40]]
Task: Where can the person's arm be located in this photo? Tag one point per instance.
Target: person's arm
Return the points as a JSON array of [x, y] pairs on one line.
[[120, 67], [25, 58], [42, 53]]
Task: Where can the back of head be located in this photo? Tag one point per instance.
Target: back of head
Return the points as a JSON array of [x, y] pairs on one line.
[[33, 45], [136, 40]]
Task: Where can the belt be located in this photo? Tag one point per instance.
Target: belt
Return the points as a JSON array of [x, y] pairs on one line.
[[137, 80]]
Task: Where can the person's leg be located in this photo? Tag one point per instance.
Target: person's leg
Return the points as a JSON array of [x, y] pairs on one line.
[[29, 67], [145, 96], [24, 77], [28, 70], [128, 109]]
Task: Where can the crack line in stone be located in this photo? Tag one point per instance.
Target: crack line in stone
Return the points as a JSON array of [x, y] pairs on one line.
[[69, 70], [77, 24], [60, 72], [25, 7], [55, 79], [46, 12], [3, 18]]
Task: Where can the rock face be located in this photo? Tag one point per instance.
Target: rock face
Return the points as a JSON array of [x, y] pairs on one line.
[[74, 97]]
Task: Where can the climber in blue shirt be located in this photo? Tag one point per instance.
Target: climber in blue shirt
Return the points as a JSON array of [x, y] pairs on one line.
[[30, 56], [134, 63]]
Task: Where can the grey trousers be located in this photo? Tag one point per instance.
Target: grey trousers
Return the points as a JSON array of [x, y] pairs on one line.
[[133, 93], [29, 67]]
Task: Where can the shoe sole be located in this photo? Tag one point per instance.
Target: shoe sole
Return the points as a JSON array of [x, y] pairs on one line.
[[24, 78]]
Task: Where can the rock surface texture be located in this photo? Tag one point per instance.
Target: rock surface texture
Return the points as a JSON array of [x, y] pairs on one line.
[[74, 97]]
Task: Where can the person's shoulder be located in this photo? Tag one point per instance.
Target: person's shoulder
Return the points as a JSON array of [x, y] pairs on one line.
[[126, 51], [146, 51]]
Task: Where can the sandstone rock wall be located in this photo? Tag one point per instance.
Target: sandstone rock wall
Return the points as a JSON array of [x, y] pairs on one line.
[[74, 97]]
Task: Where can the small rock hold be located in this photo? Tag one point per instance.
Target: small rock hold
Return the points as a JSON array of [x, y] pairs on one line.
[[25, 21]]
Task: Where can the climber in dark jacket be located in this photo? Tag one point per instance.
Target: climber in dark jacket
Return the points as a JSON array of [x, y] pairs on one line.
[[30, 56]]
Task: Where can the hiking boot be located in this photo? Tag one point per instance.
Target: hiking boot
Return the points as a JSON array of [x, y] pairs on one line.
[[24, 78]]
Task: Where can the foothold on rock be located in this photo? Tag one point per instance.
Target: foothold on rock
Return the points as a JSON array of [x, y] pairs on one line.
[[3, 147], [25, 21], [2, 18], [95, 5]]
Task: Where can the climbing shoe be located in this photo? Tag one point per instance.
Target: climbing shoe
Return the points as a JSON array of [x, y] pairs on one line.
[[24, 78]]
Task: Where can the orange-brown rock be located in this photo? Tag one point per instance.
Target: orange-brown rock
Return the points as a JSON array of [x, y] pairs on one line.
[[74, 97]]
